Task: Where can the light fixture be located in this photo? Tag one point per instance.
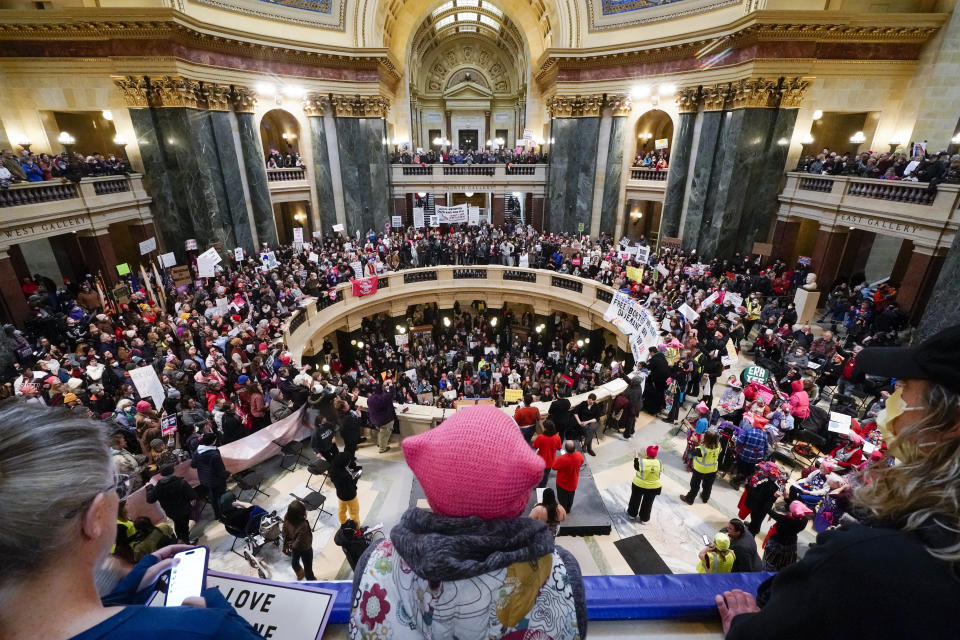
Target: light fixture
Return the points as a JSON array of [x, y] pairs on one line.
[[469, 194], [817, 114], [401, 329], [119, 140], [438, 141], [539, 328], [289, 136], [107, 114], [353, 342], [22, 141], [852, 228], [807, 139], [421, 194], [579, 343], [955, 139], [587, 340], [640, 91], [783, 142], [489, 143], [645, 136], [359, 344], [326, 368], [293, 91], [667, 89], [493, 322], [858, 137], [65, 138], [266, 88], [500, 141], [446, 322]]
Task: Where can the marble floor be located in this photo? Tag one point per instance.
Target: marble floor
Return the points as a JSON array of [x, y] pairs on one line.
[[675, 530]]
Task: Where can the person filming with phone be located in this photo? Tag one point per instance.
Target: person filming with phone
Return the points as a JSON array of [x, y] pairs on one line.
[[59, 522]]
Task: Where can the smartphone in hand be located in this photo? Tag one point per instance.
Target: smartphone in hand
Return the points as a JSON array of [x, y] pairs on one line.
[[706, 540], [188, 576]]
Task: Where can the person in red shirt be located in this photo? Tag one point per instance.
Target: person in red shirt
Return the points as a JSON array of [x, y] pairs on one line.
[[568, 474], [527, 418], [547, 444]]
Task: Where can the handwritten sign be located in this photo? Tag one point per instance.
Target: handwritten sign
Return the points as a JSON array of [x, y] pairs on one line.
[[338, 228], [512, 395], [397, 221], [418, 217], [298, 234], [238, 254], [635, 274], [453, 215], [148, 384]]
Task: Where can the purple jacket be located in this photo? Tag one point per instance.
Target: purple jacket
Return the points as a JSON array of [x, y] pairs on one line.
[[380, 408]]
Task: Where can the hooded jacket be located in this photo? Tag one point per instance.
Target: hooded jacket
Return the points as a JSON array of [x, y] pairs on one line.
[[799, 402], [468, 578]]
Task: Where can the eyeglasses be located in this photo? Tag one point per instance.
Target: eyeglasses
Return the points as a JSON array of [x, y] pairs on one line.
[[120, 483]]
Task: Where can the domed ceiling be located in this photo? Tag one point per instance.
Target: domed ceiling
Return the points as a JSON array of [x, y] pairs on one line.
[[327, 14], [617, 14]]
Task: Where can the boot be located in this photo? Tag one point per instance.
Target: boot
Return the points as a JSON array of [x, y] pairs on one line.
[[299, 574]]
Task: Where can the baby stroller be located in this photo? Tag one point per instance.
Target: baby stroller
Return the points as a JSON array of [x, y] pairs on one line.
[[253, 526]]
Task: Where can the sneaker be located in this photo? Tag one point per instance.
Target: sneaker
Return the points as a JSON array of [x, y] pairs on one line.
[[683, 498], [624, 438]]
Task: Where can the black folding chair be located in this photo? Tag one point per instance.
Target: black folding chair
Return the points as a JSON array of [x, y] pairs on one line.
[[319, 467], [314, 501], [292, 449], [249, 481]]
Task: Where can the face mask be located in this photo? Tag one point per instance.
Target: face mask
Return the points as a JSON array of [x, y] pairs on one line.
[[894, 407]]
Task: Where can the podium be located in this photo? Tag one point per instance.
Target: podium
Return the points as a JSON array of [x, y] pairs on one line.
[[806, 304]]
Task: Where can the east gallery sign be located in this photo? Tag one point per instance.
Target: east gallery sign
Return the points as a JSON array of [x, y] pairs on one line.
[[882, 224]]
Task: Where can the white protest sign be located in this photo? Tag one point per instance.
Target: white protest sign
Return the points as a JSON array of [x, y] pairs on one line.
[[418, 217], [637, 349], [397, 222], [709, 300], [298, 234], [473, 218], [663, 270], [434, 221], [148, 384], [168, 260], [452, 215], [222, 306], [238, 254], [411, 374], [277, 609], [731, 356], [688, 312], [402, 339], [206, 262], [148, 245], [634, 320], [338, 228], [211, 255], [357, 269], [733, 298], [643, 254], [524, 261], [839, 423], [313, 257]]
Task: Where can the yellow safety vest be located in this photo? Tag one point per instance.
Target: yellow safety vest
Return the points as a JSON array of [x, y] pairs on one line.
[[706, 459], [753, 309], [717, 564], [648, 475]]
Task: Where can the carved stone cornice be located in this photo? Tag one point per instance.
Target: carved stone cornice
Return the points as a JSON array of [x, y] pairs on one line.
[[592, 106], [589, 106], [244, 100], [755, 93], [174, 91], [216, 97], [620, 104], [359, 106], [792, 92], [135, 90], [687, 99], [315, 105], [715, 97]]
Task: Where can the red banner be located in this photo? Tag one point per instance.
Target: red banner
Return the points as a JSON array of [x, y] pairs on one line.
[[364, 286]]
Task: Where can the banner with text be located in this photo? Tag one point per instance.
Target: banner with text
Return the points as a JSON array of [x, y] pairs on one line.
[[453, 215], [365, 286], [633, 319]]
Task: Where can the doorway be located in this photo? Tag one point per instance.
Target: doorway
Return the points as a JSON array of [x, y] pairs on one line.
[[467, 139]]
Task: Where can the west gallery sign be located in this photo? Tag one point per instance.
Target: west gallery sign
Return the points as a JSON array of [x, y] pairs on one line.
[[41, 229]]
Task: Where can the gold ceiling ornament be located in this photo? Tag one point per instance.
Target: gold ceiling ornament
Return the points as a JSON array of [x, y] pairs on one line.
[[174, 91], [315, 105], [215, 96], [688, 98], [755, 93], [620, 104], [560, 106], [359, 106], [715, 97], [792, 92], [135, 90], [243, 98]]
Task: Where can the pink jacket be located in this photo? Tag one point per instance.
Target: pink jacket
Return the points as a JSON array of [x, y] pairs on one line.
[[799, 402]]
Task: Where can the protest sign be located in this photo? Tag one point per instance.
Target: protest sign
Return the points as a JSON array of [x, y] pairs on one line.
[[121, 293], [181, 275], [688, 312], [168, 259], [663, 270], [733, 298], [474, 217], [402, 339], [168, 425], [452, 215], [512, 395], [709, 300], [643, 254], [190, 245], [313, 257], [207, 261], [411, 374], [357, 267], [434, 221], [338, 228], [148, 384], [238, 254], [523, 261], [635, 274], [397, 222], [418, 217], [269, 260], [298, 234], [148, 245], [222, 305], [633, 319], [839, 423], [365, 286], [123, 269]]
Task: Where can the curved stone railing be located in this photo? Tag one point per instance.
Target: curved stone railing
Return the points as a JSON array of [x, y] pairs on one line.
[[648, 174]]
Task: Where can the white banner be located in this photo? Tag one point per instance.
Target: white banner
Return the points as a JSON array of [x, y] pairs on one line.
[[418, 217], [631, 318], [474, 216], [148, 245], [453, 215]]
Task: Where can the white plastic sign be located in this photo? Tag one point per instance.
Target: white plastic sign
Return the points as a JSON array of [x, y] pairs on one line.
[[148, 245]]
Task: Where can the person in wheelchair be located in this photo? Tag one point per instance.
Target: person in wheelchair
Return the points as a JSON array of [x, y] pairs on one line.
[[810, 490], [240, 516], [731, 403]]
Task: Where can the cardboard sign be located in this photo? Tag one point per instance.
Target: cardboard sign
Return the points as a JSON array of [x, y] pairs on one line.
[[635, 274], [148, 384], [661, 143], [238, 254], [402, 339], [123, 269], [643, 254], [298, 234], [277, 609], [168, 425], [121, 293], [763, 248], [338, 228], [663, 270], [397, 221], [418, 217], [512, 395], [148, 245], [168, 260], [181, 275]]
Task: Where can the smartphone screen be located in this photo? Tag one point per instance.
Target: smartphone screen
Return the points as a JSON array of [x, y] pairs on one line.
[[187, 576]]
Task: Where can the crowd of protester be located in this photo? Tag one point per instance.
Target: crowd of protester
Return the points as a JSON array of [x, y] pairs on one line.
[[933, 168], [468, 156], [276, 160], [657, 160], [70, 166]]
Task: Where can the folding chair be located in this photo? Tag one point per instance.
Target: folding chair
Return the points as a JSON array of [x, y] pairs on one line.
[[292, 449], [318, 467], [314, 501], [249, 481]]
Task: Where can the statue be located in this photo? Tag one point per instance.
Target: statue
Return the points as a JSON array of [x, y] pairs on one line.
[[811, 284]]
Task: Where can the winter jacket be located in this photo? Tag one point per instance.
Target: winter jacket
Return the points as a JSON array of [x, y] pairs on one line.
[[174, 495], [380, 408], [799, 403], [209, 466], [468, 578]]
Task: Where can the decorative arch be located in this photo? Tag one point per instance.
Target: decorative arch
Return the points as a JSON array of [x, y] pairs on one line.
[[655, 123], [273, 125], [467, 74]]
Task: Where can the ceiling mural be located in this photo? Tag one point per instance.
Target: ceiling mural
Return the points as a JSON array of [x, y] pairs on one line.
[[618, 14], [326, 14]]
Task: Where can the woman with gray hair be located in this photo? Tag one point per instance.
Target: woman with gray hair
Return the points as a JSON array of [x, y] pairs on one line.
[[59, 493], [907, 549]]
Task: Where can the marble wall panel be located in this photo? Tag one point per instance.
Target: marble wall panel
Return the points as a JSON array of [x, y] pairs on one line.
[[677, 178], [364, 172], [706, 162], [256, 173], [613, 177], [573, 159], [322, 174]]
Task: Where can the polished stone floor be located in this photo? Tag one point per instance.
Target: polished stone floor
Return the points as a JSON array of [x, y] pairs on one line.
[[675, 530]]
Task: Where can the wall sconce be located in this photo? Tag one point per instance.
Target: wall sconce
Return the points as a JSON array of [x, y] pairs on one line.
[[469, 194], [500, 141], [858, 137], [23, 142], [119, 140], [645, 136], [640, 91], [65, 138], [817, 114], [636, 214], [783, 142], [421, 194], [107, 114], [807, 139], [289, 137]]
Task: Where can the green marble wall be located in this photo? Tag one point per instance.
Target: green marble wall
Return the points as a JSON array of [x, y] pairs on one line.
[[572, 170], [321, 173], [677, 178], [613, 174], [256, 173], [364, 172]]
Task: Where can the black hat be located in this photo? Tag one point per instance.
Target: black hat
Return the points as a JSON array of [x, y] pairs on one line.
[[937, 359]]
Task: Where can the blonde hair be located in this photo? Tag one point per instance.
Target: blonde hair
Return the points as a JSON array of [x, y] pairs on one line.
[[926, 490]]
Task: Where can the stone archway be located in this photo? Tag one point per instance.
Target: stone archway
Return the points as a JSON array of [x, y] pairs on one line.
[[280, 130], [651, 126]]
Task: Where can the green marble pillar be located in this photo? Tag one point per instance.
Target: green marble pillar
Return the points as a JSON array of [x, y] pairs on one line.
[[364, 172], [255, 171], [322, 174], [613, 174], [677, 178], [572, 170]]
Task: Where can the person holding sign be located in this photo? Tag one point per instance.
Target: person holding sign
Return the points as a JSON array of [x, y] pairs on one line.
[[47, 587]]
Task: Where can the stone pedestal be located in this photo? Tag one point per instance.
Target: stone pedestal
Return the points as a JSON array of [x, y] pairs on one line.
[[806, 304]]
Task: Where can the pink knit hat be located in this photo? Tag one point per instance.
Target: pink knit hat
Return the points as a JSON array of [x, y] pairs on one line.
[[459, 479]]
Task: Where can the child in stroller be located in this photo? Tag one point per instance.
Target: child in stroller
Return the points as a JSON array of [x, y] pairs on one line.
[[354, 539], [253, 524]]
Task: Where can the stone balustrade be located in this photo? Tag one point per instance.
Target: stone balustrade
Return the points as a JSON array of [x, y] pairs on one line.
[[528, 178], [646, 184], [288, 184], [640, 173], [27, 193], [286, 174]]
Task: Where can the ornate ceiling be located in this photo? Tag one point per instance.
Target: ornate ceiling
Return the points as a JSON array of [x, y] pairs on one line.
[[327, 14], [618, 14]]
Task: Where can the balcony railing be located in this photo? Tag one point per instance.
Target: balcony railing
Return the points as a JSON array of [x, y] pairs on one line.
[[27, 193], [648, 174], [286, 175], [483, 175]]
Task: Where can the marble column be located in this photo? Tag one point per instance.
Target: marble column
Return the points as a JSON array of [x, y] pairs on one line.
[[322, 173], [679, 163], [613, 174], [255, 172], [364, 171], [11, 295], [99, 254], [66, 249], [900, 265], [573, 159], [498, 210], [19, 262], [942, 309], [785, 235], [698, 210], [828, 255], [919, 281]]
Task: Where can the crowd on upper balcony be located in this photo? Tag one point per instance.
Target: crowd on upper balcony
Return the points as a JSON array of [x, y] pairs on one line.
[[72, 166], [938, 168], [470, 156], [657, 160], [276, 160]]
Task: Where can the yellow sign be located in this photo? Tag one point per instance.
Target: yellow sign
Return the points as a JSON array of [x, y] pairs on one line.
[[513, 395], [635, 273]]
